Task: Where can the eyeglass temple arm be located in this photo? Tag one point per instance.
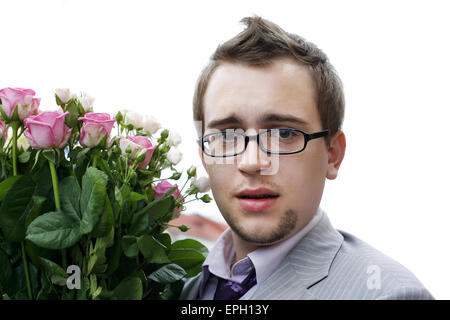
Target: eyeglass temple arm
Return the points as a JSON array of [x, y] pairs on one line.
[[319, 134]]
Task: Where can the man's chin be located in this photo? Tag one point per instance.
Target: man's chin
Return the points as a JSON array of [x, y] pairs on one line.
[[263, 232]]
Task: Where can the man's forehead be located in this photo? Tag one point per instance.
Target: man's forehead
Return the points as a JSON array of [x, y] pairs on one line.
[[240, 95]]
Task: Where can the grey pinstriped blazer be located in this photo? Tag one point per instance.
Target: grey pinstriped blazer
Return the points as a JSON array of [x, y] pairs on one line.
[[332, 264]]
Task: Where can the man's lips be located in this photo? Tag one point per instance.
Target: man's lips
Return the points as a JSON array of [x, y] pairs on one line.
[[257, 199], [259, 192]]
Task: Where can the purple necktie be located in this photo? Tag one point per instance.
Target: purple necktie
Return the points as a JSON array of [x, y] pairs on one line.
[[231, 290]]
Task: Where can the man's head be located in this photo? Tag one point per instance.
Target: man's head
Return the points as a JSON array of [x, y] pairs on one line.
[[265, 78]]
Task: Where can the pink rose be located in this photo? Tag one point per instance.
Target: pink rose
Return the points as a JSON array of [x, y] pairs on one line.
[[3, 130], [137, 143], [95, 127], [164, 186], [23, 98], [47, 130]]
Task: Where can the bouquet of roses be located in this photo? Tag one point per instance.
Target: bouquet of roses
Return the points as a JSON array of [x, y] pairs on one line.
[[83, 212]]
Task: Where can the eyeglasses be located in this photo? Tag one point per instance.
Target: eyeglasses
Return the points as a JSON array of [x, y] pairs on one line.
[[230, 143]]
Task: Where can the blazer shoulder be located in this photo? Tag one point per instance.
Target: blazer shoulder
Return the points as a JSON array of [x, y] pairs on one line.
[[366, 273]]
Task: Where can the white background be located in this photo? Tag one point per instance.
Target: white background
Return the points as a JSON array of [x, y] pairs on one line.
[[393, 57]]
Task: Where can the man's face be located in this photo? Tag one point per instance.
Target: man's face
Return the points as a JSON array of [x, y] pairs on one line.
[[250, 99]]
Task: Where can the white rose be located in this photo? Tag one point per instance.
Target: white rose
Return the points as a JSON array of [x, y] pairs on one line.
[[63, 94], [202, 184], [86, 101], [151, 124], [174, 155], [174, 139], [134, 118]]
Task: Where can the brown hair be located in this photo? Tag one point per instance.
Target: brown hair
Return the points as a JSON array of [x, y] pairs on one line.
[[262, 42]]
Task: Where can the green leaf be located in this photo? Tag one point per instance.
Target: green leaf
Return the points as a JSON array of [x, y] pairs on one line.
[[82, 294], [82, 153], [56, 274], [15, 208], [6, 185], [164, 239], [55, 230], [6, 270], [134, 196], [172, 291], [58, 100], [17, 285], [153, 250], [139, 225], [206, 198], [97, 260], [43, 181], [191, 244], [129, 289], [183, 228], [37, 205], [50, 155], [4, 116], [130, 246], [35, 252], [24, 157], [189, 254], [113, 255], [168, 273], [47, 291], [161, 209], [69, 194], [126, 191], [165, 197], [106, 221], [36, 158], [118, 196], [93, 196]]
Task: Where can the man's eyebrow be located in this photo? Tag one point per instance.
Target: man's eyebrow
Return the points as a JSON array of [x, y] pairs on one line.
[[224, 121], [275, 117], [267, 118]]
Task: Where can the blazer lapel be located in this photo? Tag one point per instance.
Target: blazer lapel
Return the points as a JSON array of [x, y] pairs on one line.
[[306, 264], [191, 287]]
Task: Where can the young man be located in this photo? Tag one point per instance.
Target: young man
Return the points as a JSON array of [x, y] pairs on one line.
[[271, 108]]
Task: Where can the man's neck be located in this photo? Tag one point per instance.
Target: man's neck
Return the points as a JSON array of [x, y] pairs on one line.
[[241, 248]]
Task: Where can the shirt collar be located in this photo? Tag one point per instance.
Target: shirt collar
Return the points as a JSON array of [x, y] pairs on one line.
[[265, 259]]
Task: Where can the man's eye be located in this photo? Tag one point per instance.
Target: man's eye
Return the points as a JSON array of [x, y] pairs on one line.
[[227, 136], [286, 133]]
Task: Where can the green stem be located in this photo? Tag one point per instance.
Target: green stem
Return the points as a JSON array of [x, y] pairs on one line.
[[184, 203], [27, 272], [15, 126], [57, 204], [94, 162], [55, 184], [9, 142], [184, 185]]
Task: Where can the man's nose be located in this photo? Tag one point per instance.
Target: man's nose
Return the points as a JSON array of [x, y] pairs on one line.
[[253, 159]]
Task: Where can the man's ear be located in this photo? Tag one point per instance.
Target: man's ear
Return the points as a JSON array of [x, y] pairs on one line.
[[336, 153]]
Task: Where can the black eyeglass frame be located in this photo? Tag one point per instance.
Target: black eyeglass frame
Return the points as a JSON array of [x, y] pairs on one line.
[[307, 136]]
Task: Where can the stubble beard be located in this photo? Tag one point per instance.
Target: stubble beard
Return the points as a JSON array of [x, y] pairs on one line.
[[286, 225]]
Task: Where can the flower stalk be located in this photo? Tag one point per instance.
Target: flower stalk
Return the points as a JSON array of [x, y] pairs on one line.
[[15, 126], [57, 203]]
